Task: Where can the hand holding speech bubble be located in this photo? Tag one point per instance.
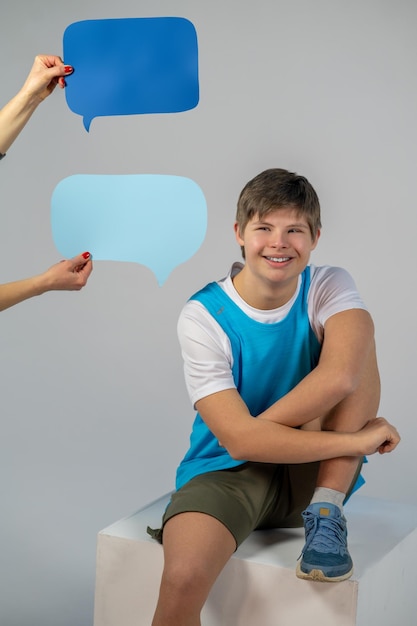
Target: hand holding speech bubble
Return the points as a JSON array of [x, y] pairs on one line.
[[155, 220], [130, 66]]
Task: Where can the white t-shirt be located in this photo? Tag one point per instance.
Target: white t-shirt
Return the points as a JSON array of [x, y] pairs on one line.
[[206, 348]]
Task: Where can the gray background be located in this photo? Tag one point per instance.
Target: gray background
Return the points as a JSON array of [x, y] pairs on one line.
[[94, 411]]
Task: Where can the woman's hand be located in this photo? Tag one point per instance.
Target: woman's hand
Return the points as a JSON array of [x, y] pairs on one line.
[[68, 275], [47, 72]]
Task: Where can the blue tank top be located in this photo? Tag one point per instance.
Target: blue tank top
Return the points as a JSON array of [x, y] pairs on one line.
[[268, 361]]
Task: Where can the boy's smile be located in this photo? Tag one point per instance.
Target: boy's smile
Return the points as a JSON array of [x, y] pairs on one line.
[[277, 250]]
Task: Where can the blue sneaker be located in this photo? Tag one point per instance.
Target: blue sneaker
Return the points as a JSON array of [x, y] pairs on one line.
[[325, 556]]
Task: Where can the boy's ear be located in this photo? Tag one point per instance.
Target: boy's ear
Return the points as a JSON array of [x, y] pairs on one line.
[[238, 234], [316, 240]]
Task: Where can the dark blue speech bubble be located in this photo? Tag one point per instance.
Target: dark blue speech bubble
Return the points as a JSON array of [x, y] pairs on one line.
[[131, 66]]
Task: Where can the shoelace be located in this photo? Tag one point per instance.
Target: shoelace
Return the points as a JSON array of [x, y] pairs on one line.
[[328, 534]]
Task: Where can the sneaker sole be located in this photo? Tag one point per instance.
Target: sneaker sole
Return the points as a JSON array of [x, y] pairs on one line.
[[319, 576]]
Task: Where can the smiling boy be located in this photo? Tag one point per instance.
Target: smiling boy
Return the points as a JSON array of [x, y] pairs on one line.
[[279, 362]]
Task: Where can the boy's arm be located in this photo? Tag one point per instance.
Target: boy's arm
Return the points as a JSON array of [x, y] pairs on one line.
[[348, 349], [345, 380], [250, 439]]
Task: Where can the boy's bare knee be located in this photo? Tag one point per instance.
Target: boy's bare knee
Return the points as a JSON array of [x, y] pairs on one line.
[[315, 424], [184, 580]]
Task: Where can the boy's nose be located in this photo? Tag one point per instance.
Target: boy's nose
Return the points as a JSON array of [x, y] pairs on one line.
[[278, 240]]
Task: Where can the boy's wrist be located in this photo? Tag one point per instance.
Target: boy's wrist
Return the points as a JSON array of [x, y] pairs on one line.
[[354, 443]]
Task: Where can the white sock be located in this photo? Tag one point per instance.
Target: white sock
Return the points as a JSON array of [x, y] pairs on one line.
[[322, 494]]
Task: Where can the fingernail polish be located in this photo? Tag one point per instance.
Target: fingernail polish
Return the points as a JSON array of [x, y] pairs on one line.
[[86, 255], [68, 69]]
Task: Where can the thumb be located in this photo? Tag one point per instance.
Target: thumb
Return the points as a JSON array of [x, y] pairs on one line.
[[60, 70], [81, 259]]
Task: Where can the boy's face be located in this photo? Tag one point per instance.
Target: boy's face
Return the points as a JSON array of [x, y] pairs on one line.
[[277, 249]]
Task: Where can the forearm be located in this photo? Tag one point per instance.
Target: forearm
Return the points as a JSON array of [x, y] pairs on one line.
[[248, 438], [14, 116], [347, 350], [321, 395], [314, 396], [15, 292], [267, 442]]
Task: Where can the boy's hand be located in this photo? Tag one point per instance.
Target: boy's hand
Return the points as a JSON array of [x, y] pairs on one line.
[[378, 435]]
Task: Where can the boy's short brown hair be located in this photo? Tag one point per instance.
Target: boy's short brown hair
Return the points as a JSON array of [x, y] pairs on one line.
[[276, 189]]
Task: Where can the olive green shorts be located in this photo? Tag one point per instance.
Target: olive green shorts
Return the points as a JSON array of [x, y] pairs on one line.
[[248, 497]]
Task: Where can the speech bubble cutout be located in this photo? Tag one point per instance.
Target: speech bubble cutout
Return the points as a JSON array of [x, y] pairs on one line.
[[155, 220], [131, 66]]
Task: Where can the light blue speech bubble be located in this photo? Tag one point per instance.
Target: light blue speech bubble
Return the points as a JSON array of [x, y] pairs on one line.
[[155, 220], [128, 66]]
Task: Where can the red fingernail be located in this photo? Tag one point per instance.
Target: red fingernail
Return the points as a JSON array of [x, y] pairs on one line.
[[86, 255], [68, 69]]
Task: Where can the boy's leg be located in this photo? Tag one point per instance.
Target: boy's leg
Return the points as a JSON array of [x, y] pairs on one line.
[[325, 555], [203, 524], [196, 548], [350, 415]]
